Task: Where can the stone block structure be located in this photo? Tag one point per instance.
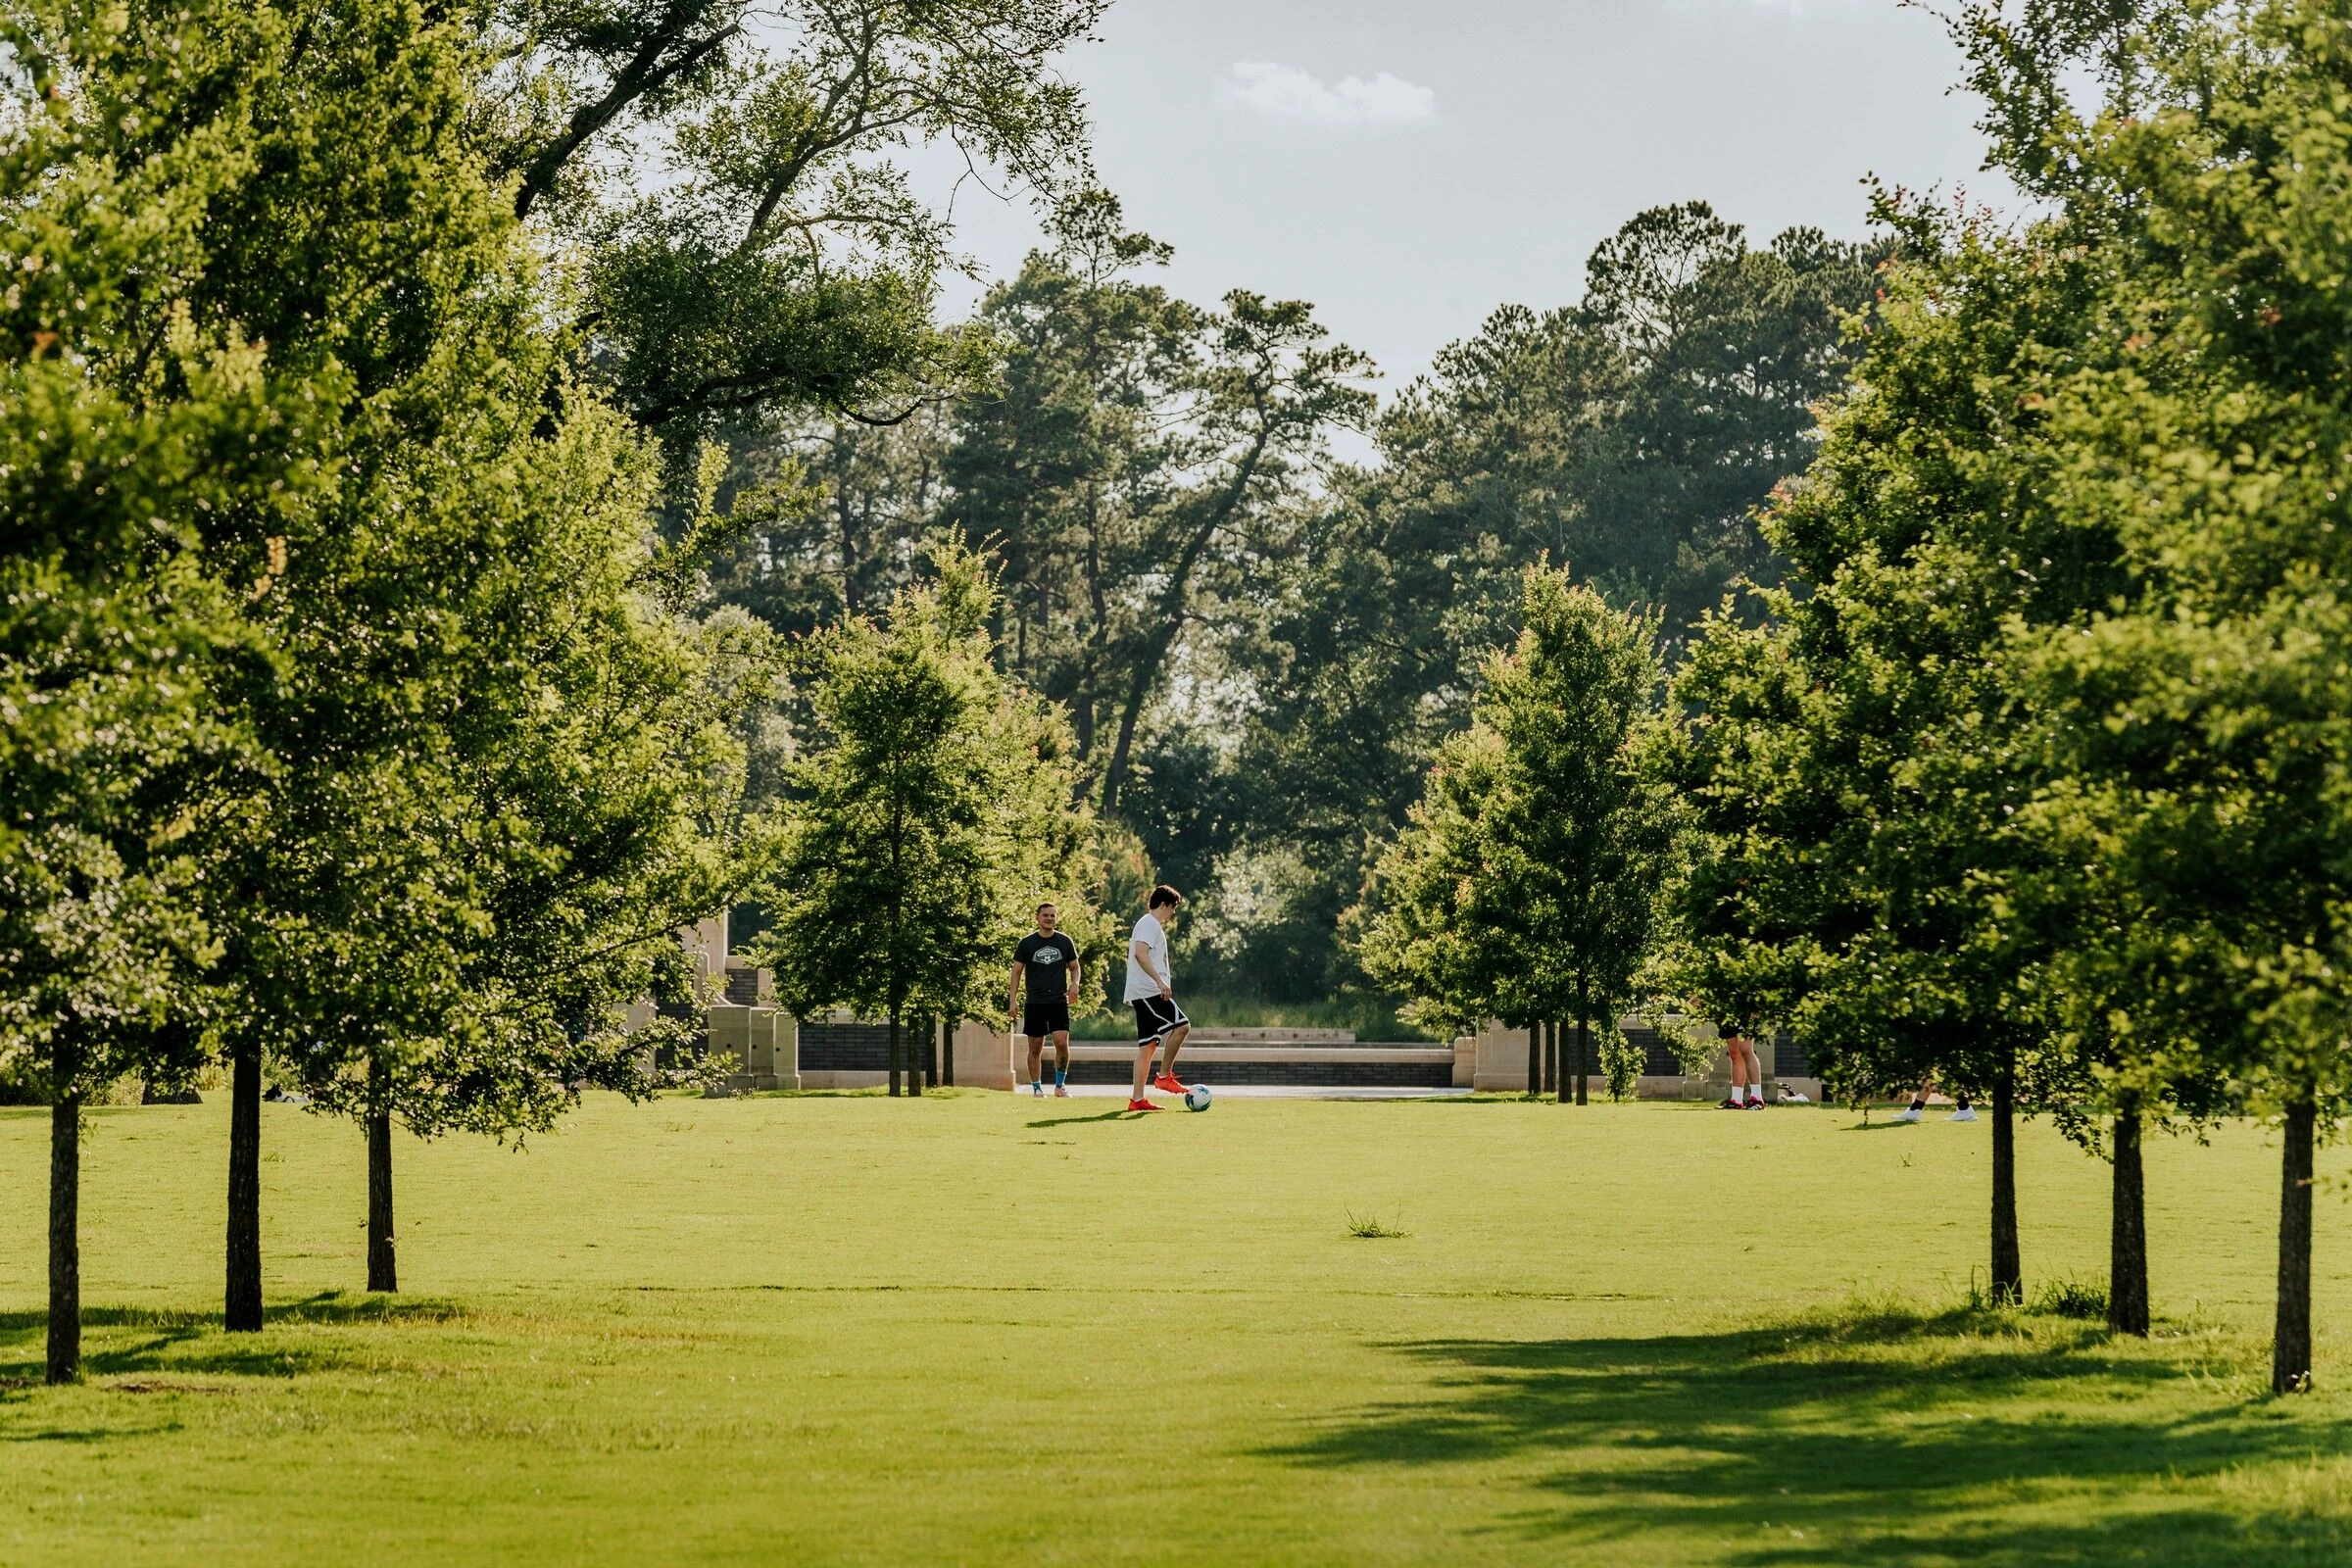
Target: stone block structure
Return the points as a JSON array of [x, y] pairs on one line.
[[764, 1042], [1497, 1063]]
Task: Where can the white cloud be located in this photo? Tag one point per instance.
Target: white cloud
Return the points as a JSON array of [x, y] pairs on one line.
[[1287, 92]]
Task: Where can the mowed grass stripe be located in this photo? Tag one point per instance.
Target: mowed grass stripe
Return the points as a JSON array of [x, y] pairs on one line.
[[978, 1329]]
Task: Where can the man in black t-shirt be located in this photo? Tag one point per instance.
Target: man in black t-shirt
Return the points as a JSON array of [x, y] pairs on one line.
[[1042, 1006]]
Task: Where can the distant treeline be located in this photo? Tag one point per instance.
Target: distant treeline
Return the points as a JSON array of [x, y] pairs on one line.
[[1259, 647]]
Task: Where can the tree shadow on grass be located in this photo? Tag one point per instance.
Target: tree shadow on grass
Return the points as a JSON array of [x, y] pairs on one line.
[[1887, 1437], [119, 1340]]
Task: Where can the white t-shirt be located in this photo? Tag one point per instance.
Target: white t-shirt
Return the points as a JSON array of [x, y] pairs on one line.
[[1154, 939]]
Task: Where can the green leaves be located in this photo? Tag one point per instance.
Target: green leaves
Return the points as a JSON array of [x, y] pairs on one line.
[[151, 467], [1525, 882], [934, 816], [777, 264]]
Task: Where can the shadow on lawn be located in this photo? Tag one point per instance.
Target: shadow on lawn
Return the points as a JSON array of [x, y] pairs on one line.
[[1818, 1442], [1121, 1115], [194, 1342]]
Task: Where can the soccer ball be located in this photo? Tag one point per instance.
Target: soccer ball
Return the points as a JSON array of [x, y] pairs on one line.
[[1197, 1098]]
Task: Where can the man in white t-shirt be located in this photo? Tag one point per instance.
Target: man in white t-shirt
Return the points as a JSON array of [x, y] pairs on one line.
[[1160, 1024]]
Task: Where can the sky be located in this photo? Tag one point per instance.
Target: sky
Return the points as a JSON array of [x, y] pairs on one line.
[[1409, 165]]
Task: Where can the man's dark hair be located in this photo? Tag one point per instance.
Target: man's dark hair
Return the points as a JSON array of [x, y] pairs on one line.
[[1164, 896], [1048, 904]]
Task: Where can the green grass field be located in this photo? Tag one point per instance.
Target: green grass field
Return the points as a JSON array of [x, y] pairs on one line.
[[978, 1329]]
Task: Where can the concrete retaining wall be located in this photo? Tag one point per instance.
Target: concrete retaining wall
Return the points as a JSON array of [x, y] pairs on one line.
[[778, 1051]]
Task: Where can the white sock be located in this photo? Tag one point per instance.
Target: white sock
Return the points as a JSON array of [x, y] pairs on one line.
[[1755, 1094]]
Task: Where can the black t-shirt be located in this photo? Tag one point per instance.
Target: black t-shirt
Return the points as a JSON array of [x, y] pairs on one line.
[[1048, 959]]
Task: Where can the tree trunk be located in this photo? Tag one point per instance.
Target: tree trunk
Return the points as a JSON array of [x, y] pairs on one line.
[[1535, 1060], [1087, 696], [947, 1050], [900, 1041], [1584, 1059], [1145, 667], [2008, 1271], [65, 1227], [930, 1053], [2290, 1341], [383, 1272], [241, 1312], [2128, 1230]]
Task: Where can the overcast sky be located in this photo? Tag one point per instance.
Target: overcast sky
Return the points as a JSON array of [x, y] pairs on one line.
[[1408, 164]]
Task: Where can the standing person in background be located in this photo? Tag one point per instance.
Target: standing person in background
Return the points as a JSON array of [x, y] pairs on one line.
[[1159, 1023], [1747, 1073], [1049, 962]]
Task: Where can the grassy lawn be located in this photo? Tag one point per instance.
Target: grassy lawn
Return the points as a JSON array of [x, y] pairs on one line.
[[978, 1329]]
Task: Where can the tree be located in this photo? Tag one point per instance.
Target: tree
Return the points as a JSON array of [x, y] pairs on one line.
[[1438, 925], [832, 518], [1629, 436], [367, 238], [1527, 883], [1853, 760], [583, 797], [2201, 724], [1574, 707], [770, 260], [467, 533], [1068, 457], [936, 791], [132, 439]]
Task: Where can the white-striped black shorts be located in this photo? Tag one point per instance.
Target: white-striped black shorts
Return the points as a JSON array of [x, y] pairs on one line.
[[1155, 1017]]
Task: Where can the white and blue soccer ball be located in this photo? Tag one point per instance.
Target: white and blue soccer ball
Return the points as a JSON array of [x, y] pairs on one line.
[[1197, 1098]]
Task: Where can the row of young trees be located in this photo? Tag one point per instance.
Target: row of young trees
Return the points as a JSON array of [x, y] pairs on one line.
[[357, 728], [2028, 776]]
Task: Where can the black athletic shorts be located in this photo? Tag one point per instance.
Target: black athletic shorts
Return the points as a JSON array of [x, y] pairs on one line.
[[1155, 1017], [1042, 1018]]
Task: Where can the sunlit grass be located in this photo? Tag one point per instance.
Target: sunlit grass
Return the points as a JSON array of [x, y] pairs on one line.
[[980, 1329]]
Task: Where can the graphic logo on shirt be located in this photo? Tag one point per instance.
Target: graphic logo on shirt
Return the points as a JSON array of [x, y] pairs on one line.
[[1045, 955]]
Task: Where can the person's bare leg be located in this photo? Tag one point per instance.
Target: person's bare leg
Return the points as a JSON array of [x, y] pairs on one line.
[[1037, 1052], [1173, 1043], [1062, 1051], [1743, 1069], [1142, 1069]]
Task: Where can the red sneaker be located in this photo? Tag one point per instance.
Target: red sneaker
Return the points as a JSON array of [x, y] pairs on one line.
[[1141, 1104], [1167, 1084]]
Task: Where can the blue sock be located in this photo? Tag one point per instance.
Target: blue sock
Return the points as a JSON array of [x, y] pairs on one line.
[[1060, 1074]]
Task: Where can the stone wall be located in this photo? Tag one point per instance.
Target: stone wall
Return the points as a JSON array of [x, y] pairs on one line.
[[1499, 1055]]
